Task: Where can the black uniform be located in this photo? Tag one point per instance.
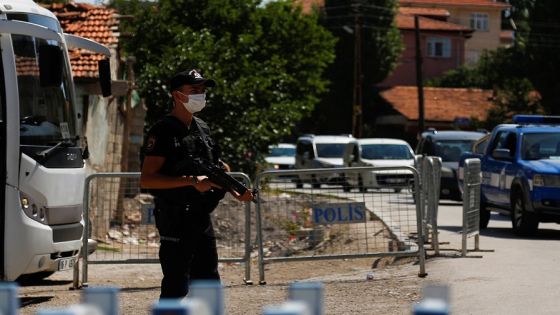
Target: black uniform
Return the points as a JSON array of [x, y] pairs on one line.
[[188, 245]]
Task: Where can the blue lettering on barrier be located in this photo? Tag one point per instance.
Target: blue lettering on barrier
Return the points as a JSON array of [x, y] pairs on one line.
[[359, 212], [317, 214], [330, 214], [339, 213]]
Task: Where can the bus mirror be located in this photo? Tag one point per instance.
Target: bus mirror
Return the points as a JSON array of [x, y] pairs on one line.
[[50, 66], [105, 77]]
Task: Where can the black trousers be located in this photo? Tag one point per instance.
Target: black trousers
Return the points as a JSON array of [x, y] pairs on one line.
[[188, 249]]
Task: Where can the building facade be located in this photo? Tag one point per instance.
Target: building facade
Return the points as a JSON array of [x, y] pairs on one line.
[[484, 17]]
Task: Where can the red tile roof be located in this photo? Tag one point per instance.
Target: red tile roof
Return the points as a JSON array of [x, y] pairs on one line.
[[406, 22], [434, 12], [90, 21], [478, 3], [440, 104]]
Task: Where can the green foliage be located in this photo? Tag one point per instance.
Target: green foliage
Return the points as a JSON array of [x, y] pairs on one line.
[[268, 62], [531, 64], [504, 71], [517, 96], [495, 69], [542, 51], [381, 48]]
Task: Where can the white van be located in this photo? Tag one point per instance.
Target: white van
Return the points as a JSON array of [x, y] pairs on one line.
[[378, 152], [320, 152]]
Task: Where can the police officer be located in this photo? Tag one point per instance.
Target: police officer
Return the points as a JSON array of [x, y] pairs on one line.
[[183, 199]]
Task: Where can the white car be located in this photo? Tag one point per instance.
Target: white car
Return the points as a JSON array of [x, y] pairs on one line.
[[281, 156], [320, 152], [378, 152]]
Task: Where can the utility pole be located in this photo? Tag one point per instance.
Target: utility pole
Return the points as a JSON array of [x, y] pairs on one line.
[[419, 82], [357, 97]]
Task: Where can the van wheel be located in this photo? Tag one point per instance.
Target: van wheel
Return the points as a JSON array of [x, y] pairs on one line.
[[523, 222], [316, 185], [299, 184], [397, 190]]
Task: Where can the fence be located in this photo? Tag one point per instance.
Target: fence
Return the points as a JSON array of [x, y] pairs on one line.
[[471, 203], [430, 175], [358, 212], [120, 220], [338, 213]]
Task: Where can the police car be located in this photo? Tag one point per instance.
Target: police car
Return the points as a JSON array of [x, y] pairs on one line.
[[521, 172]]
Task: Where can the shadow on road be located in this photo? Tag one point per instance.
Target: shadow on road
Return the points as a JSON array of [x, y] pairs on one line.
[[42, 282], [503, 232], [450, 203], [507, 232], [26, 301], [132, 290]]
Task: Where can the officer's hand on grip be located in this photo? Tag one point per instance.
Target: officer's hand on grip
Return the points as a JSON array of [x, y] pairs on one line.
[[203, 184]]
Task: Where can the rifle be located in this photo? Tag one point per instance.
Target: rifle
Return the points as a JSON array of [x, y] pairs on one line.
[[215, 174]]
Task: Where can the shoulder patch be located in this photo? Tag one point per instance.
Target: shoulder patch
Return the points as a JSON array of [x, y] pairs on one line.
[[150, 144]]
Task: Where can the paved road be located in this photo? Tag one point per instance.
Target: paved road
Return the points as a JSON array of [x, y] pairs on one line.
[[522, 276]]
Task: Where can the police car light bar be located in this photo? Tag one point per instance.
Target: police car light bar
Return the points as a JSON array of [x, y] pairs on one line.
[[536, 119]]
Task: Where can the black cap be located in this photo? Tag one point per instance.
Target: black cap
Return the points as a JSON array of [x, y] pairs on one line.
[[189, 77]]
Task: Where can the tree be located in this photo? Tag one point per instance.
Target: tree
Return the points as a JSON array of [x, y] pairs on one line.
[[503, 71], [542, 51], [268, 62], [381, 48], [532, 63]]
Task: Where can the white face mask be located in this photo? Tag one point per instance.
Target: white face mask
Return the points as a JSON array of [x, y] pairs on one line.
[[196, 102]]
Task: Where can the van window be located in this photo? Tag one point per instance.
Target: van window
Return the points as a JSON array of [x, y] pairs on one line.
[[386, 152], [537, 146], [46, 113], [451, 150], [330, 150], [505, 140]]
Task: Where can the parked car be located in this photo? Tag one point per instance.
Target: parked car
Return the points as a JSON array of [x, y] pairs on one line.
[[378, 152], [521, 173], [281, 156], [449, 145], [320, 151]]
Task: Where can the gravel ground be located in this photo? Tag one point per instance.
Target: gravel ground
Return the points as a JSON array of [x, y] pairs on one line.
[[394, 289]]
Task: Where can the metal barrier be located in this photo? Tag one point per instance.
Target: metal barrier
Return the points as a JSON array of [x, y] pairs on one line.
[[471, 203], [119, 217], [431, 180], [340, 220]]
